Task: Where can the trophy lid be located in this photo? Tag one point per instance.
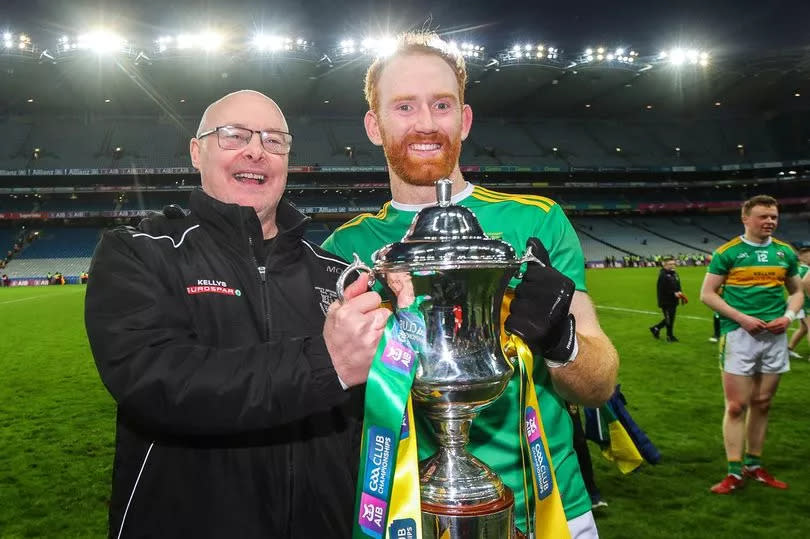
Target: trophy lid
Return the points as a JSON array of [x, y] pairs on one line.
[[445, 236]]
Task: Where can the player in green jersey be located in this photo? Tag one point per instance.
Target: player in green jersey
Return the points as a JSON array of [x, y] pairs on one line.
[[754, 270], [418, 115], [804, 314]]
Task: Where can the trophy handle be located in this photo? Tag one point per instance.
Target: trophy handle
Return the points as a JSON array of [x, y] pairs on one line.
[[528, 256], [356, 265]]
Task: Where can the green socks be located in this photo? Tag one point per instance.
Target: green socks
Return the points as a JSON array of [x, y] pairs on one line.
[[735, 468], [752, 462]]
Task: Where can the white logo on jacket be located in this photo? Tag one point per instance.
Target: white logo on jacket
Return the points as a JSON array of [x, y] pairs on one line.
[[327, 298]]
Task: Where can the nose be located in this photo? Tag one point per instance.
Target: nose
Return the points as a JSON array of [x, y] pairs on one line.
[[424, 120], [254, 149]]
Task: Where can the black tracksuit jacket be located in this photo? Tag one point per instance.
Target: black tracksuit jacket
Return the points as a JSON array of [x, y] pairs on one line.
[[668, 284], [231, 420]]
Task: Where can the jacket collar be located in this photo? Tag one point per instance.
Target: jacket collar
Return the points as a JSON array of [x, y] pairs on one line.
[[239, 226]]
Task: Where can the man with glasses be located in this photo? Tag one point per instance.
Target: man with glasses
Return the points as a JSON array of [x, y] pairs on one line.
[[234, 371]]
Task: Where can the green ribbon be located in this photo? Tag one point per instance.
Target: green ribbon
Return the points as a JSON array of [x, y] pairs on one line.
[[385, 421]]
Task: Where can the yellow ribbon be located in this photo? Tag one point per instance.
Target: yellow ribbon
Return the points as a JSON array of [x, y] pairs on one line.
[[547, 517]]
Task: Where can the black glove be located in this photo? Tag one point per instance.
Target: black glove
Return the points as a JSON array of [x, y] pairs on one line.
[[539, 313]]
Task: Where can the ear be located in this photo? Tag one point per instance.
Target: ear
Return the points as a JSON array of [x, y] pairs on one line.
[[194, 151], [373, 128], [466, 121]]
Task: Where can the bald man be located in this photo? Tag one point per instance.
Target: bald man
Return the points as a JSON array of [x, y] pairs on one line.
[[235, 372]]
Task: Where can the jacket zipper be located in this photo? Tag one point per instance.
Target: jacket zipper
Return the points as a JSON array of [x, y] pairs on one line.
[[266, 305], [265, 299]]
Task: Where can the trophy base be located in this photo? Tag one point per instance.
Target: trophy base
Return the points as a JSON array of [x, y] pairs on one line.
[[492, 520]]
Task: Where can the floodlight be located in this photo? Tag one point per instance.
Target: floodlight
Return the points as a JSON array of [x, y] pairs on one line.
[[599, 57], [588, 51], [515, 48], [600, 50], [7, 36], [610, 57], [100, 41], [210, 41], [677, 56], [620, 52]]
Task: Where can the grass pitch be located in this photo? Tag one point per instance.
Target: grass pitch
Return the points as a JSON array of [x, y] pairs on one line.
[[57, 423]]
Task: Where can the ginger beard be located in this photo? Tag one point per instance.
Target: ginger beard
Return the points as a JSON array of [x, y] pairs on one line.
[[417, 170]]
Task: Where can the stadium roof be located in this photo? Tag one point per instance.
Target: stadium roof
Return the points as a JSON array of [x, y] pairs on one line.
[[759, 61], [183, 85]]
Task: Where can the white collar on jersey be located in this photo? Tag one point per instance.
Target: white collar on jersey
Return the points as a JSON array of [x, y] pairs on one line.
[[455, 199], [753, 244]]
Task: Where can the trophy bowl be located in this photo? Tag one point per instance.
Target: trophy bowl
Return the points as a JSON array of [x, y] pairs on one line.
[[458, 276]]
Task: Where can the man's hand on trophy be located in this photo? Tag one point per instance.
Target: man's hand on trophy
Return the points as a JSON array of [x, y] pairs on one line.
[[352, 331], [539, 312]]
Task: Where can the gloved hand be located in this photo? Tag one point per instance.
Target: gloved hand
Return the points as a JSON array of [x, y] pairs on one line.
[[539, 313], [681, 296]]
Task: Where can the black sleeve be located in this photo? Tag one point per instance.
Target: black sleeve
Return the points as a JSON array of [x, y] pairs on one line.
[[153, 364], [661, 288]]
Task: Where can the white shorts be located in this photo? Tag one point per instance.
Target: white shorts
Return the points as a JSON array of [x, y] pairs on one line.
[[745, 354], [583, 527], [801, 314]]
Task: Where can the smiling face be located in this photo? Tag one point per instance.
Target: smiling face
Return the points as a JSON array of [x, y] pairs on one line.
[[249, 176], [760, 222], [420, 120]]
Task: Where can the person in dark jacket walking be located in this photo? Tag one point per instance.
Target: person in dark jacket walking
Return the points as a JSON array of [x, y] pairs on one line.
[[238, 377], [669, 295]]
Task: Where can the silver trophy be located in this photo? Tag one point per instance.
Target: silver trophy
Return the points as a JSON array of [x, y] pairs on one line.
[[460, 276]]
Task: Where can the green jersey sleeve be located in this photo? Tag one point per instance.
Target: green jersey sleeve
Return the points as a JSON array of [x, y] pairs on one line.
[[565, 252], [720, 263]]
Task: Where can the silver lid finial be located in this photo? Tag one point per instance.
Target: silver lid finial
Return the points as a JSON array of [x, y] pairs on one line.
[[444, 192]]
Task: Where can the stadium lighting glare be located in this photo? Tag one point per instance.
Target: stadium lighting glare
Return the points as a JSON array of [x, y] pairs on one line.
[[618, 150], [797, 94], [588, 51], [100, 42], [30, 100], [378, 47], [649, 107], [268, 43], [107, 100], [554, 149], [717, 103], [7, 36], [677, 148], [600, 50], [468, 50], [792, 172], [679, 56], [588, 106], [211, 41]]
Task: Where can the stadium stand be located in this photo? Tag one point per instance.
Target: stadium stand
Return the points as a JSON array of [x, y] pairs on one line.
[[67, 250]]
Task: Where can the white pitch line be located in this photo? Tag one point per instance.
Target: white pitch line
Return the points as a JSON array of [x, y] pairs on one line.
[[656, 313], [34, 297], [677, 316]]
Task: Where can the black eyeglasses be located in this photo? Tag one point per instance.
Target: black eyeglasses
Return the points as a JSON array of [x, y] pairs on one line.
[[230, 137]]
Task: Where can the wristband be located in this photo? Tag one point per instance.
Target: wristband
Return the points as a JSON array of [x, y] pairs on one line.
[[551, 364], [790, 315]]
